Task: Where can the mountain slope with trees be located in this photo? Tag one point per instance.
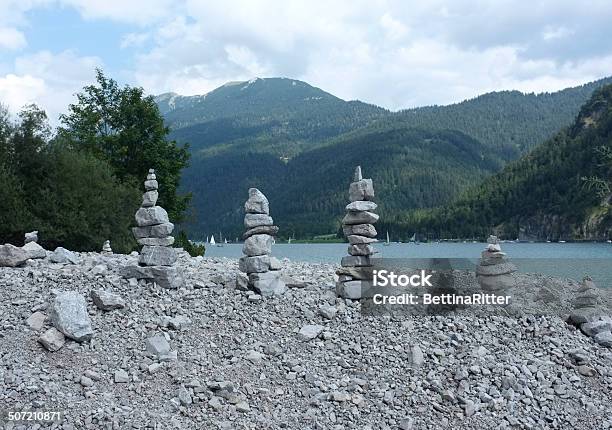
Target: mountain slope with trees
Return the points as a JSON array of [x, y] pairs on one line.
[[559, 191], [281, 131]]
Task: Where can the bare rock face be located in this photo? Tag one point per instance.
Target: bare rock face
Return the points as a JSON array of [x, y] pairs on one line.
[[12, 256], [69, 315]]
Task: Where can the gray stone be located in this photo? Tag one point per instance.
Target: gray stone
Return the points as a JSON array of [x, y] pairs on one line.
[[34, 250], [106, 300], [357, 176], [62, 255], [160, 230], [359, 206], [360, 249], [184, 396], [309, 332], [585, 315], [121, 377], [157, 256], [242, 407], [257, 220], [417, 358], [354, 290], [366, 230], [149, 199], [496, 283], [52, 339], [259, 264], [594, 327], [258, 244], [257, 203], [275, 264], [86, 381], [328, 312], [357, 240], [242, 282], [364, 272], [168, 277], [69, 315], [361, 190], [268, 283], [31, 237], [12, 256], [497, 269], [151, 184], [158, 346], [272, 230], [36, 321], [363, 217], [156, 241], [151, 216], [604, 339], [355, 261]]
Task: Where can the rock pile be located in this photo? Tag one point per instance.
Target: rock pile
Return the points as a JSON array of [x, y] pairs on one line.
[[355, 275], [494, 272], [263, 271], [154, 232], [31, 247], [106, 247], [589, 315]]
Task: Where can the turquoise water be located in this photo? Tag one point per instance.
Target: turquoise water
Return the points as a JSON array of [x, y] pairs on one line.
[[565, 260]]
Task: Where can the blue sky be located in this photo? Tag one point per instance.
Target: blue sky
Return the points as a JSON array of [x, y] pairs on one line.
[[394, 53]]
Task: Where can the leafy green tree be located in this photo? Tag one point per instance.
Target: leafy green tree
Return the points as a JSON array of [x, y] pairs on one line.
[[125, 128]]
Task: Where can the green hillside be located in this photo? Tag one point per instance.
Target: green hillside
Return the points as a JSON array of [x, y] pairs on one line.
[[543, 195], [299, 145]]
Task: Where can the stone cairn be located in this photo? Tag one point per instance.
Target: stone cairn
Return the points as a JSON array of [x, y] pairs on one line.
[[153, 231], [106, 248], [494, 272], [263, 271], [590, 315], [355, 275]]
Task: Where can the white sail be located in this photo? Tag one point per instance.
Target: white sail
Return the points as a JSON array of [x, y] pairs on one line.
[[207, 239], [212, 239]]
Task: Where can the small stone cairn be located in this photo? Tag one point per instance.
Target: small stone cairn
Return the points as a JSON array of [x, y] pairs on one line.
[[106, 247], [590, 315], [355, 275], [153, 231], [494, 272], [263, 271]]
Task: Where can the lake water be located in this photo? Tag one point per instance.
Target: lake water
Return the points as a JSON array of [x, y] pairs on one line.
[[565, 260]]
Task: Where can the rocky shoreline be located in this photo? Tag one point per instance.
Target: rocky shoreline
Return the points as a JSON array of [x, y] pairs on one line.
[[212, 356]]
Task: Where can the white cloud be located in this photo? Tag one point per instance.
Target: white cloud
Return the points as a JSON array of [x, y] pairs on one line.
[[140, 12], [11, 38], [47, 79]]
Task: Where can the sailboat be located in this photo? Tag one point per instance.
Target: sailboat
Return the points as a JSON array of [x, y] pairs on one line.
[[387, 243], [413, 238], [225, 241], [220, 244], [212, 240], [207, 239]]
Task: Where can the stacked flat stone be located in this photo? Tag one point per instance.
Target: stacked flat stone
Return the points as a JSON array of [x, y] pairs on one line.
[[154, 231], [263, 271], [355, 275], [106, 247], [494, 272]]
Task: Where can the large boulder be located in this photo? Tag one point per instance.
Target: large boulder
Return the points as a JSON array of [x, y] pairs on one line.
[[12, 256], [151, 216], [257, 203], [62, 255], [34, 250], [69, 315], [257, 264], [268, 283], [160, 230], [157, 256], [168, 277]]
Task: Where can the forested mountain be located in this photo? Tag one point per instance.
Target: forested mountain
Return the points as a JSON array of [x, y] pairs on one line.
[[300, 144], [412, 167], [545, 195], [274, 115]]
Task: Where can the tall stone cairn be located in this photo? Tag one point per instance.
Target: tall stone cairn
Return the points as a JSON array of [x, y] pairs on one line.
[[154, 231], [494, 272], [263, 271], [355, 275]]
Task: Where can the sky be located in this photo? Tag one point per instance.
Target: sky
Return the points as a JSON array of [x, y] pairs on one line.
[[393, 53]]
